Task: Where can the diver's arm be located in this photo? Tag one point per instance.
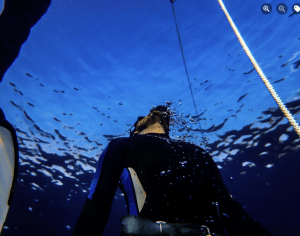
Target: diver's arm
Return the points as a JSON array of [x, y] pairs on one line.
[[95, 212], [234, 218]]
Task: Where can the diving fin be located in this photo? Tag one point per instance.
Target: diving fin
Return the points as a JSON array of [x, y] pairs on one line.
[[9, 162]]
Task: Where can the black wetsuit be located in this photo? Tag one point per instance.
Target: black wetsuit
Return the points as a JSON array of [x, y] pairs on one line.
[[16, 20], [181, 182]]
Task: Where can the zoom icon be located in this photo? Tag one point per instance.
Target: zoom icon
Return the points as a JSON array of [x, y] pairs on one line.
[[266, 8], [282, 8]]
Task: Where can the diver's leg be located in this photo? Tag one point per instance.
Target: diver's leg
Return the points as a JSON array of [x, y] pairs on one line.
[[16, 20]]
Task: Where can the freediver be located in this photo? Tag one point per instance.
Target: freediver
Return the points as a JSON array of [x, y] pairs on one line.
[[171, 187], [16, 20]]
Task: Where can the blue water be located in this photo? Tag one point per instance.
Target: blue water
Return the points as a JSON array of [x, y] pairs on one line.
[[88, 70]]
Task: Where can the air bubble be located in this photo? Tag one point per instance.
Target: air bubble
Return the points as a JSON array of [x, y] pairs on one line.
[[269, 165], [283, 138]]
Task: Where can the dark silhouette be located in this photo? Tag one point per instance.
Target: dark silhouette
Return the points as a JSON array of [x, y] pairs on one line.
[[16, 20]]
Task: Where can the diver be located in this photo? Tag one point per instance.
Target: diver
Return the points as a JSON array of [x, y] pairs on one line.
[[171, 187]]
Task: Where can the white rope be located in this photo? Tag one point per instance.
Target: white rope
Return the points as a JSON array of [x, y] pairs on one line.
[[283, 108]]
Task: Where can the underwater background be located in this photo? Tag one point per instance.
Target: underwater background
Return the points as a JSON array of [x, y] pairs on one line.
[[90, 68]]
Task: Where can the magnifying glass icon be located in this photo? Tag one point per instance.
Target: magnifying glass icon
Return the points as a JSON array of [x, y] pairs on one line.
[[281, 8], [266, 8]]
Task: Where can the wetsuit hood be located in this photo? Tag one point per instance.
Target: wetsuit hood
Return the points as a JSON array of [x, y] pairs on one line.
[[156, 122]]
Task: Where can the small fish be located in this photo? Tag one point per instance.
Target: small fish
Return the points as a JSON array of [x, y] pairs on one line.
[[14, 104], [57, 120], [297, 64], [277, 81], [208, 87], [246, 73], [242, 97]]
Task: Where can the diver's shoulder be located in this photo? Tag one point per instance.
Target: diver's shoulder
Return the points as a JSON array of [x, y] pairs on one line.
[[119, 140], [188, 145]]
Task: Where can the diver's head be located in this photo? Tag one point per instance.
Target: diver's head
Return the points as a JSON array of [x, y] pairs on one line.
[[157, 121]]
